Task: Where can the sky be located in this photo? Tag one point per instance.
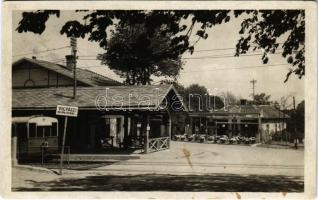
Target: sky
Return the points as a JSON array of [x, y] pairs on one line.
[[219, 73]]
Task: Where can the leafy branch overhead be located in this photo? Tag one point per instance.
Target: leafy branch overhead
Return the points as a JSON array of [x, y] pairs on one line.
[[263, 28], [266, 30]]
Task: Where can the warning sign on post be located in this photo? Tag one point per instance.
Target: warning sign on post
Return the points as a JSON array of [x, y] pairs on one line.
[[70, 111]]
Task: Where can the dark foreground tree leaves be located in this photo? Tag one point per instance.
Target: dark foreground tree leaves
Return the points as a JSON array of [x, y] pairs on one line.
[[35, 21], [266, 30]]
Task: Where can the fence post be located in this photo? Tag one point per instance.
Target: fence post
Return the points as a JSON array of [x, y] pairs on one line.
[[68, 157], [14, 149], [260, 128], [63, 143], [147, 139], [169, 131]]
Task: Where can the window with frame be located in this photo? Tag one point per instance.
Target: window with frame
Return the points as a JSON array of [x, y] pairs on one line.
[[39, 131], [47, 131], [54, 129], [32, 130]]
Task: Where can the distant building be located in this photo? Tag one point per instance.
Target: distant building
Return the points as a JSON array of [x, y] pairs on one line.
[[260, 121]]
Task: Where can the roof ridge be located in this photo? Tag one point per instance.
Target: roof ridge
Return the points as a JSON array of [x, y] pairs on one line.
[[82, 77], [99, 75], [89, 88]]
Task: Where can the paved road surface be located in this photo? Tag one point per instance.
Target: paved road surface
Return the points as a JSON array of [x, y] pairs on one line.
[[185, 167], [196, 158]]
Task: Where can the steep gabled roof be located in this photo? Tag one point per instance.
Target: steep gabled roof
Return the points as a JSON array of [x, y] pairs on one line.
[[243, 109], [111, 97], [82, 75], [269, 111]]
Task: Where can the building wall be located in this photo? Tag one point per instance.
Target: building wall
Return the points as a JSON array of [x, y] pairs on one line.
[[274, 127], [28, 75], [271, 128]]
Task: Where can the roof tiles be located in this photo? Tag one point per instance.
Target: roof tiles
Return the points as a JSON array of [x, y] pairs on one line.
[[91, 97]]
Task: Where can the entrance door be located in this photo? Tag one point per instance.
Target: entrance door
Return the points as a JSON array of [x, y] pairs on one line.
[[99, 131], [114, 129]]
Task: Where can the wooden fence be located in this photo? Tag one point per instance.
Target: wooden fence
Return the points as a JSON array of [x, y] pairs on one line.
[[158, 144]]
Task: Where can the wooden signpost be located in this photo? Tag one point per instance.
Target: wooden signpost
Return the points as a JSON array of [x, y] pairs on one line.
[[67, 111]]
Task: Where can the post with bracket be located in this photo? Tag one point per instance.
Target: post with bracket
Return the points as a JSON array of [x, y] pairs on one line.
[[169, 131], [63, 145], [147, 135]]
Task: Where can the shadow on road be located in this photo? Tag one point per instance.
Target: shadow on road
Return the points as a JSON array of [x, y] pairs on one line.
[[154, 182]]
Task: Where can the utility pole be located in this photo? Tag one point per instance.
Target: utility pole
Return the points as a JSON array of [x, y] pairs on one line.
[[294, 120], [74, 49], [253, 86]]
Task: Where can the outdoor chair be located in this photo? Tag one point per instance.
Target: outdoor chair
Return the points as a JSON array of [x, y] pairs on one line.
[[137, 142]]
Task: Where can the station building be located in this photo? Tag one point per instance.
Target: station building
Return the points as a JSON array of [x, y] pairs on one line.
[[260, 121], [122, 115]]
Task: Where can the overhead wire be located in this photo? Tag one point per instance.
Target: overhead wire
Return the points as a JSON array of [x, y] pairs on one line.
[[241, 67], [217, 56], [38, 52], [204, 57], [203, 50]]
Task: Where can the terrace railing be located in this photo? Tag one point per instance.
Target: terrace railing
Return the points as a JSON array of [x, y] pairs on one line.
[[158, 144]]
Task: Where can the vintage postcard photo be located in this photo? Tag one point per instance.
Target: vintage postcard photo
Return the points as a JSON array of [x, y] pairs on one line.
[[161, 98]]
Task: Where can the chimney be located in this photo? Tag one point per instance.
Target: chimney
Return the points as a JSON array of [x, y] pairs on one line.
[[69, 62], [243, 102], [34, 57]]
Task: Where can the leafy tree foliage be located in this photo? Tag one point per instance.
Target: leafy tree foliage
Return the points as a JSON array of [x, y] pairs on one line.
[[296, 122], [195, 98], [198, 99], [135, 55], [100, 20], [262, 99], [232, 99], [260, 29], [35, 21], [300, 116]]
